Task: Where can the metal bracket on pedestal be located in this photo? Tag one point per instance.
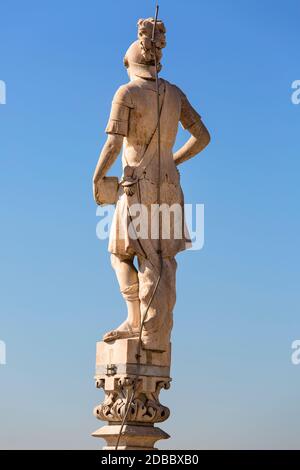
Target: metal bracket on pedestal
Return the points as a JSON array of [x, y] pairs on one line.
[[111, 369]]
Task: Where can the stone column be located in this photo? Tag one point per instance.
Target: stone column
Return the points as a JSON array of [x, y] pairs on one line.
[[117, 372]]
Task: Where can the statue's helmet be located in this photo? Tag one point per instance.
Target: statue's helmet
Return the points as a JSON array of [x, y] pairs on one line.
[[141, 55]]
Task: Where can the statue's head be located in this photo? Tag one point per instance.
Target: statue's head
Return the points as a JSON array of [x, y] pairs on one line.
[[140, 57]]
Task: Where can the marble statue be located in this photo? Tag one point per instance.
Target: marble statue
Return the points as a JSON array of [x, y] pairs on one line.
[[140, 121], [131, 124]]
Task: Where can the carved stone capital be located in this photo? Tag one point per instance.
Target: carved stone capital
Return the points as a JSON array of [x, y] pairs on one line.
[[123, 379], [145, 406]]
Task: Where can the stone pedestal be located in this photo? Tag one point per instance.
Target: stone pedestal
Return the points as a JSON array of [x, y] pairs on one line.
[[119, 373]]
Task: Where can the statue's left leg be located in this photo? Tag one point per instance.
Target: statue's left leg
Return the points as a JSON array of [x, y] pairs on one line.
[[129, 286]]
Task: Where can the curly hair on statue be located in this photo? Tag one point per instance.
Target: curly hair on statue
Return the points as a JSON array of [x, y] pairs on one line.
[[145, 30]]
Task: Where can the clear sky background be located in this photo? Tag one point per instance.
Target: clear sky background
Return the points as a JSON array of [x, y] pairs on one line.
[[237, 313]]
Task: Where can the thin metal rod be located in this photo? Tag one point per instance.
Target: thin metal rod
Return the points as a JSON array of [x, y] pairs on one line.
[[139, 346], [158, 128], [155, 21]]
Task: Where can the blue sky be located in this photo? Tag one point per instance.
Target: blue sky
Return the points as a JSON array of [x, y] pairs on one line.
[[237, 313]]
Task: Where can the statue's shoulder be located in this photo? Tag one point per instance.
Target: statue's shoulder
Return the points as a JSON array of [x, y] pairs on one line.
[[176, 90], [130, 93], [123, 96]]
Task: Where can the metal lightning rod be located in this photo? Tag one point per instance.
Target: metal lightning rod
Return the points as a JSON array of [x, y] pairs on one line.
[[138, 355]]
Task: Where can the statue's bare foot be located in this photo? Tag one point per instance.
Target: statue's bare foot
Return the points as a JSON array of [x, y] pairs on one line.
[[123, 331]]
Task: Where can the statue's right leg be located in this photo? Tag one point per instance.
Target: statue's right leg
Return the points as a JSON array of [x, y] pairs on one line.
[[129, 286]]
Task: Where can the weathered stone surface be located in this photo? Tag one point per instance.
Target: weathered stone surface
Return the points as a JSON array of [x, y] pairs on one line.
[[139, 109], [122, 354], [144, 122], [133, 437], [120, 373], [118, 370]]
